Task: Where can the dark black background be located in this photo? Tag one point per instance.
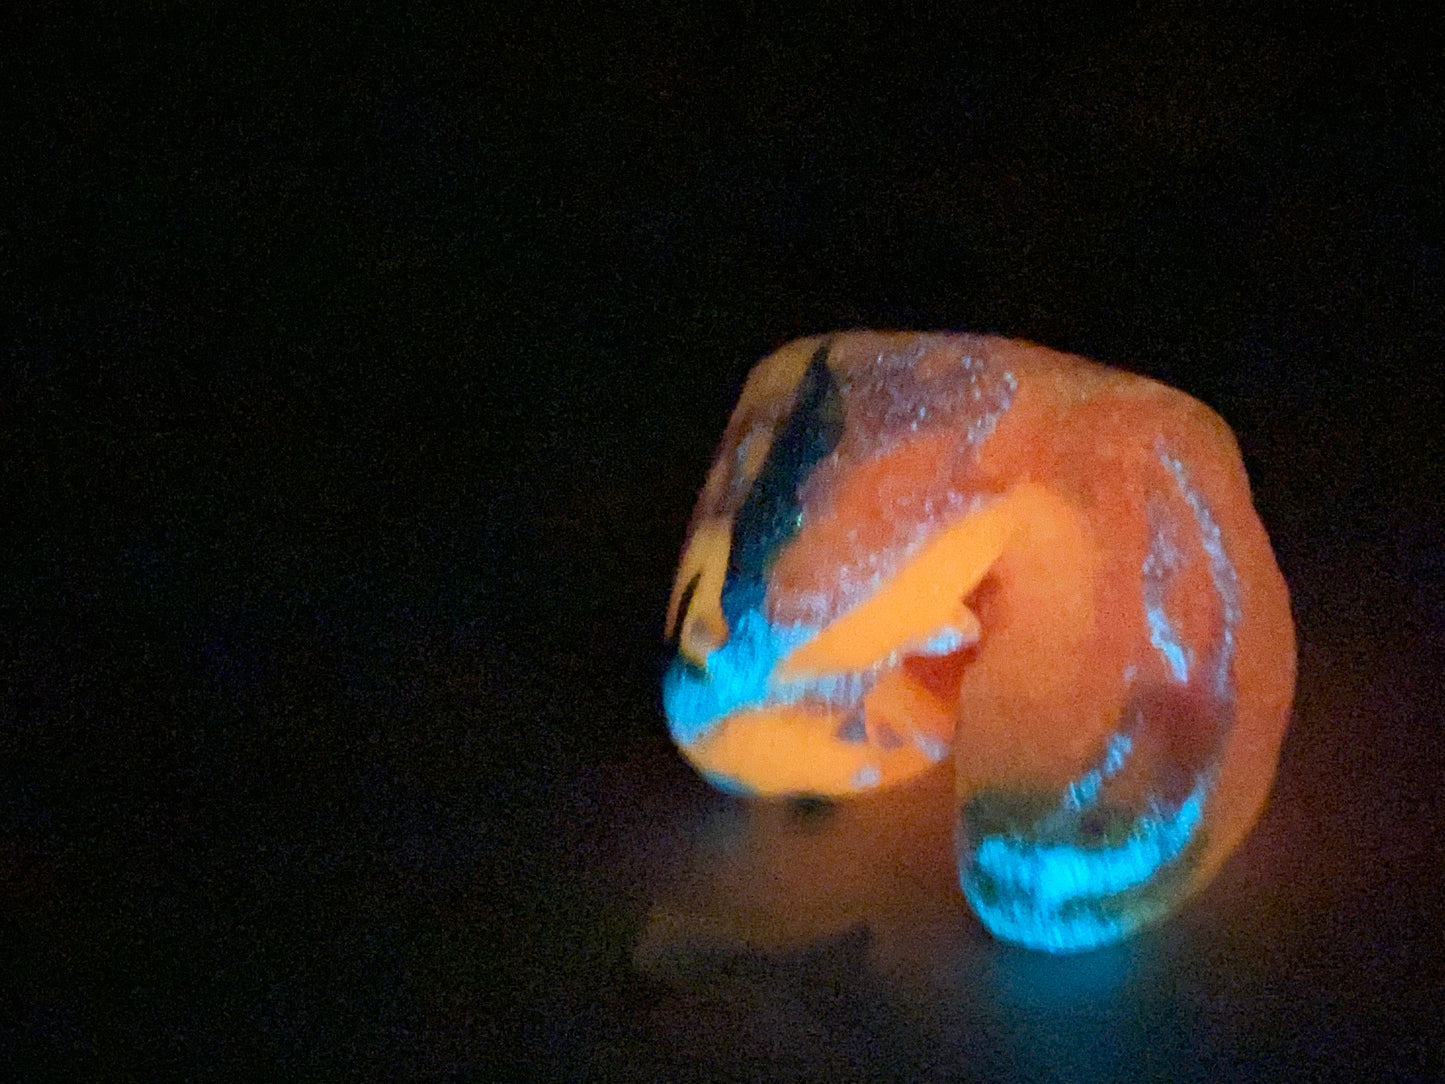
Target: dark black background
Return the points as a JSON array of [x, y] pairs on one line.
[[358, 370]]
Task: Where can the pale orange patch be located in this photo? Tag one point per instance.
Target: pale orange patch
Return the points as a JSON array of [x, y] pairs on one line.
[[790, 750]]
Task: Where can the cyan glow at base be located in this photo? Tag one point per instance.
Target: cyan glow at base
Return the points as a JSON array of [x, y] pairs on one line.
[[1069, 895], [738, 675]]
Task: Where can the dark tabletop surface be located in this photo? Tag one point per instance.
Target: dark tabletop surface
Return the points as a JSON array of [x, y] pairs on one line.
[[357, 374]]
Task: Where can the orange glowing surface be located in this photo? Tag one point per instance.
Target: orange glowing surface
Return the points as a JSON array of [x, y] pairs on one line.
[[914, 547]]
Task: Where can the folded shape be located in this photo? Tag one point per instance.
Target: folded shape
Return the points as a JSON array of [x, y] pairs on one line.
[[916, 543]]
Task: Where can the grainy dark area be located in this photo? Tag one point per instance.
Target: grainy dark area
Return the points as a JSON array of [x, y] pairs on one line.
[[357, 373]]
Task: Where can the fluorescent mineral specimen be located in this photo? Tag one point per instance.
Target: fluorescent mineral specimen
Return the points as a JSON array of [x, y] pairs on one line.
[[915, 546]]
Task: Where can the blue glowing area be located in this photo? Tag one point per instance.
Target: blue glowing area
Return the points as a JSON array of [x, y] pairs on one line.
[[1076, 889], [1160, 566], [1166, 640], [1056, 873], [728, 784], [737, 676], [1084, 792], [944, 642]]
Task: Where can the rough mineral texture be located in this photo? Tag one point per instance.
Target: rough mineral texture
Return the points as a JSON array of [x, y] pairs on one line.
[[919, 546]]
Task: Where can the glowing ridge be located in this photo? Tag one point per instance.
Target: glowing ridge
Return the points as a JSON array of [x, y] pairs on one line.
[[1163, 637], [1084, 792], [1070, 896], [1159, 565], [1221, 569], [1054, 873], [738, 675]]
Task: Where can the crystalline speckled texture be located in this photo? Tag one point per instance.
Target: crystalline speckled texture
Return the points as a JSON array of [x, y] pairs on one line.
[[896, 395]]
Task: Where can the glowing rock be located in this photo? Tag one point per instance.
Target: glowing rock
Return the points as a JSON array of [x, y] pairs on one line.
[[917, 544]]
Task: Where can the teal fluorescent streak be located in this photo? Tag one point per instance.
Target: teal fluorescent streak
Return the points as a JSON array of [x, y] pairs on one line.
[[728, 785], [1053, 873], [1085, 791], [1163, 637], [1064, 897], [737, 676], [1019, 924]]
